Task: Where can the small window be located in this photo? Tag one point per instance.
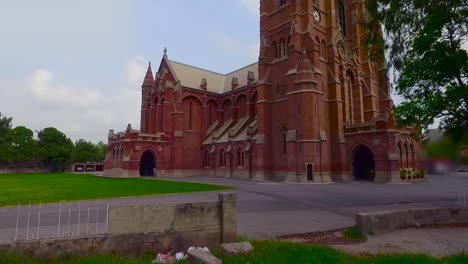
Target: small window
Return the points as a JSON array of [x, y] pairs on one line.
[[240, 158], [222, 158], [283, 2], [342, 16], [190, 117], [206, 159]]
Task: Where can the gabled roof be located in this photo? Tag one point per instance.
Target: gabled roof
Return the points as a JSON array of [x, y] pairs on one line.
[[191, 76]]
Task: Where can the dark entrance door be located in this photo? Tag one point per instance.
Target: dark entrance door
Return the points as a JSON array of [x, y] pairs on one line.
[[310, 172], [147, 164], [363, 164]]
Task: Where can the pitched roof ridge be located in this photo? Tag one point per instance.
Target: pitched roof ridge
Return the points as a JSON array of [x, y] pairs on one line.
[[242, 68], [198, 68], [195, 67]]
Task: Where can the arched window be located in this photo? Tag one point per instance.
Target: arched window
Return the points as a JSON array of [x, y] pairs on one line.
[[119, 158], [282, 48], [190, 116], [401, 155], [323, 49], [222, 158], [240, 157], [210, 115], [284, 137], [274, 50], [413, 162], [114, 159], [161, 116], [206, 159], [406, 156], [342, 16]]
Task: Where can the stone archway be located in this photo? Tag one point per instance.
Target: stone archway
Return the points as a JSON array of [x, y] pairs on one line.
[[147, 164], [363, 164]]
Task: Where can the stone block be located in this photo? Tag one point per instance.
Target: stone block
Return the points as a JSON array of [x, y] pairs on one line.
[[200, 256], [237, 248], [381, 222]]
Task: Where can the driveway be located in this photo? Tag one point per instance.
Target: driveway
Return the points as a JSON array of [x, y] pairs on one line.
[[265, 209]]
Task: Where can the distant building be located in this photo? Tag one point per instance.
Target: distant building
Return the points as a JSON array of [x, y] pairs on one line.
[[311, 109]]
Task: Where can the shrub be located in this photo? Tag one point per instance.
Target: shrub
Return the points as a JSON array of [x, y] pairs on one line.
[[403, 174]]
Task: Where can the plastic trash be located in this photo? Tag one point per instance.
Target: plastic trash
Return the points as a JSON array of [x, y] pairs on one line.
[[180, 256], [163, 258]]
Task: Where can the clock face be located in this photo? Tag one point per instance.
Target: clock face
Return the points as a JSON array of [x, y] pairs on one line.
[[316, 16]]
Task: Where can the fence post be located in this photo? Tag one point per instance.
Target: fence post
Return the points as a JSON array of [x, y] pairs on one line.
[[78, 223], [87, 222], [97, 216], [29, 216], [228, 208], [39, 220], [107, 219], [17, 222], [69, 215], [58, 226]]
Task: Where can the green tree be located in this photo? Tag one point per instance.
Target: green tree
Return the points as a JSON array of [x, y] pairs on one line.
[[54, 148], [5, 124], [424, 42], [18, 145], [85, 151]]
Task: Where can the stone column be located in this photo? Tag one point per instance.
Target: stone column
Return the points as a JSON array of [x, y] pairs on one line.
[[228, 214]]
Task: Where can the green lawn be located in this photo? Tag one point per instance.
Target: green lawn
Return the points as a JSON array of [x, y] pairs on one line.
[[54, 187], [266, 252]]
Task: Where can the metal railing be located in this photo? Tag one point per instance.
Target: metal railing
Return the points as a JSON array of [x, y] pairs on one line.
[[57, 220]]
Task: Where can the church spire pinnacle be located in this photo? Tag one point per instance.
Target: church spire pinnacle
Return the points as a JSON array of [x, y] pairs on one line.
[[305, 71], [149, 80]]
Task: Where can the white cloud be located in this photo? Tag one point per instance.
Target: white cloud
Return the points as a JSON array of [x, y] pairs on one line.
[[252, 6], [136, 69], [225, 41], [45, 90], [43, 101]]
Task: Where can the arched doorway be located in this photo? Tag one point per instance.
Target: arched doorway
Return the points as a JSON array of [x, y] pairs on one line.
[[363, 164], [147, 164]]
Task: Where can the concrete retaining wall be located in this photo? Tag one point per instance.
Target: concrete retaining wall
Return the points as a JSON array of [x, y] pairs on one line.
[[137, 229], [382, 222]]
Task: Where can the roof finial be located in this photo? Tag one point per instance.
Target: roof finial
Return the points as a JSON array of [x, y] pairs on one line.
[[165, 50]]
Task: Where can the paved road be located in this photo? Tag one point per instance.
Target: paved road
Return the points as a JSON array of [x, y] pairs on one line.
[[265, 209]]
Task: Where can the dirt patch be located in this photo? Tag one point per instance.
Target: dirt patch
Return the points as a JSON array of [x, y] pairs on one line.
[[332, 237]]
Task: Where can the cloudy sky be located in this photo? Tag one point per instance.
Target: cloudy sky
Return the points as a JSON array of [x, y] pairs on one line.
[[78, 65]]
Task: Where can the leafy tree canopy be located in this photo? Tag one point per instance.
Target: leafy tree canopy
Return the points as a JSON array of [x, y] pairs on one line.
[[54, 148], [426, 42], [85, 151], [5, 124], [18, 145]]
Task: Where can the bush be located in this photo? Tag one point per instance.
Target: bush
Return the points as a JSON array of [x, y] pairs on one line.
[[403, 174]]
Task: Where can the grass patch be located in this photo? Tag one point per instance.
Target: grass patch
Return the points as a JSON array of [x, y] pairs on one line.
[[352, 233], [270, 252], [265, 252], [55, 187]]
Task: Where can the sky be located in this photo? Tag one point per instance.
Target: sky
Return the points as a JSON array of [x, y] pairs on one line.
[[78, 65]]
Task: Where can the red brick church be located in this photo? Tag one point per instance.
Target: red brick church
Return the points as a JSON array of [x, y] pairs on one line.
[[313, 108]]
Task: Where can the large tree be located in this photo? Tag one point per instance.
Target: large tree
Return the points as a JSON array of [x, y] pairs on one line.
[[5, 124], [18, 145], [86, 151], [426, 42], [54, 148]]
